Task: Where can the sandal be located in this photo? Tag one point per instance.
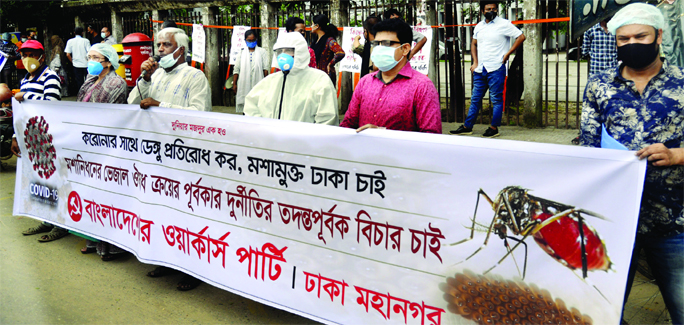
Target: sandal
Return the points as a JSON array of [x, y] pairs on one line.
[[54, 234], [159, 271], [37, 230], [88, 250], [188, 283], [109, 257]]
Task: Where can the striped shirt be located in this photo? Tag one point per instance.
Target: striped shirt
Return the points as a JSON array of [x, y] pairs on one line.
[[45, 86]]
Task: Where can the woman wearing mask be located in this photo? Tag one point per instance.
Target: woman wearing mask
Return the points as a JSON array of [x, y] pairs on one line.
[[250, 67], [57, 62], [103, 85], [328, 51]]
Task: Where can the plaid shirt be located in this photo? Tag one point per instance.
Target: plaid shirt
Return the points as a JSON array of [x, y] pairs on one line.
[[601, 47]]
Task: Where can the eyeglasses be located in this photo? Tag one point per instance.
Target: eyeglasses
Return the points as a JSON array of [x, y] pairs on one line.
[[387, 43], [94, 58]]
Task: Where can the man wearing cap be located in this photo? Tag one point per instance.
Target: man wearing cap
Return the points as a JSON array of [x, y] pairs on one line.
[[76, 50], [176, 84], [10, 52], [641, 105], [40, 83]]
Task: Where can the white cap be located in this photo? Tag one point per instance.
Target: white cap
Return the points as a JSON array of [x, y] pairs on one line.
[[637, 14]]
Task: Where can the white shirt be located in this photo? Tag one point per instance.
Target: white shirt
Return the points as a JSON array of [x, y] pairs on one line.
[[493, 41], [78, 47], [184, 87]]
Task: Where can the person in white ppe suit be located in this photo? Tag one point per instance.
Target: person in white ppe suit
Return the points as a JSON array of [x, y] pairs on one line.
[[308, 95]]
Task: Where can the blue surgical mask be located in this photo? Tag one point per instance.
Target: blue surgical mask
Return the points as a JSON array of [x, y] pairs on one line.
[[95, 68], [251, 45], [285, 62], [103, 35], [383, 57], [168, 60]]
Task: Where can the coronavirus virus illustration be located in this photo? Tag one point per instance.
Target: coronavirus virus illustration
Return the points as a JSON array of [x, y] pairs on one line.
[[39, 146]]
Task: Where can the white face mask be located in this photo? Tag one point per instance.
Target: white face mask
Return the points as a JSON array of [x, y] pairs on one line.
[[168, 60]]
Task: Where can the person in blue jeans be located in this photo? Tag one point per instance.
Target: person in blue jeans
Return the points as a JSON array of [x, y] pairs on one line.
[[640, 104], [490, 51]]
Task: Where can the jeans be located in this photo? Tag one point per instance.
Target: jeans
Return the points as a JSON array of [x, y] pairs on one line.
[[665, 257], [494, 81], [80, 74]]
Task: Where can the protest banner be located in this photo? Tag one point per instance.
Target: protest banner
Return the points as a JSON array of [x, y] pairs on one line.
[[421, 60], [237, 42], [381, 227], [351, 61], [198, 43]]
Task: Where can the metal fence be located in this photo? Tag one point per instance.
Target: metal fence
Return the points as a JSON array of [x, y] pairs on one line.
[[564, 75]]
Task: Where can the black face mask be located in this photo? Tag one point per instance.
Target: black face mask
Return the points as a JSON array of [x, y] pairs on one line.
[[490, 15], [638, 56]]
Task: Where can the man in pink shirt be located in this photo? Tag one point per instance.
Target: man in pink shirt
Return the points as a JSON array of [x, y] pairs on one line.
[[396, 97]]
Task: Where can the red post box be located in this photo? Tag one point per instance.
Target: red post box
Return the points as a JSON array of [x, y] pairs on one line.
[[137, 49]]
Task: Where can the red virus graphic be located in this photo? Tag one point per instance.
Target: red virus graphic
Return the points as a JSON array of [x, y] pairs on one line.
[[38, 141]]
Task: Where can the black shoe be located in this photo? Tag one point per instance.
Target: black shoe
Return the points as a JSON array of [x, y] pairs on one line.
[[491, 133], [462, 130]]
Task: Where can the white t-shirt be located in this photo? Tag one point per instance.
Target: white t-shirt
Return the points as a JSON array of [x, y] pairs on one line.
[[493, 41], [78, 47]]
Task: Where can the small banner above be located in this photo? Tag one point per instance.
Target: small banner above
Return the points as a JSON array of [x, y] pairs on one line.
[[237, 42], [198, 43], [351, 61]]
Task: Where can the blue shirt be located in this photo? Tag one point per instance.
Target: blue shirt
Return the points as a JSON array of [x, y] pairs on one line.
[[601, 47], [637, 121]]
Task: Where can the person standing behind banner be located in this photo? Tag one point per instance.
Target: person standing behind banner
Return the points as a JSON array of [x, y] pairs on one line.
[[640, 104], [252, 64], [11, 54], [176, 84], [107, 36], [418, 37], [328, 51], [76, 50], [103, 85], [40, 83], [396, 97], [94, 35], [307, 93], [490, 52], [365, 50], [295, 25], [58, 62]]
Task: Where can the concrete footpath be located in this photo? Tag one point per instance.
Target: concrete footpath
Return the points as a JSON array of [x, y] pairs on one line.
[[53, 283]]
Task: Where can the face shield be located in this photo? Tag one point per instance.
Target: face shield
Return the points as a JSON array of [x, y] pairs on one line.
[[285, 57], [287, 50]]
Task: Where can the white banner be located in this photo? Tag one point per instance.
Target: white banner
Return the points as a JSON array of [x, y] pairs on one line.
[[421, 61], [351, 61], [237, 42], [340, 227], [198, 43]]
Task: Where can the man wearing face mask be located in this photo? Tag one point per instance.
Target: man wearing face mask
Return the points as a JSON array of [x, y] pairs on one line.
[[490, 52], [40, 83], [252, 65], [308, 95], [76, 50], [396, 97], [94, 36], [172, 82], [106, 34], [640, 103], [296, 25]]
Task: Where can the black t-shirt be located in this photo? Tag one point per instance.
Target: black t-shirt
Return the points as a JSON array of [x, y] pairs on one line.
[[96, 39]]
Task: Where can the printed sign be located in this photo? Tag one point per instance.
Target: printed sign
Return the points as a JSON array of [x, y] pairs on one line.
[[351, 61], [237, 42], [198, 43], [379, 227]]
